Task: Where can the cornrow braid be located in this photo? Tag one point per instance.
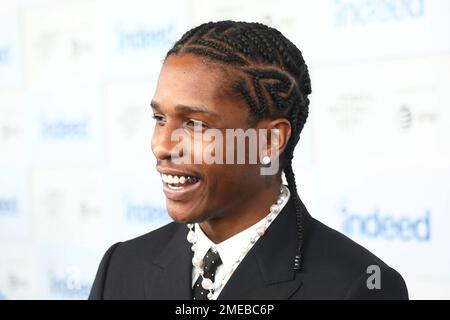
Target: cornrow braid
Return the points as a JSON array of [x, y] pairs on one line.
[[272, 78]]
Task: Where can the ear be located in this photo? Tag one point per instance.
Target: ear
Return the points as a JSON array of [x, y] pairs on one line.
[[282, 127]]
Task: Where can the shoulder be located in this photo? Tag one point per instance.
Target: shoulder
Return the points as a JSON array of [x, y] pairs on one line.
[[120, 274], [147, 245], [345, 269]]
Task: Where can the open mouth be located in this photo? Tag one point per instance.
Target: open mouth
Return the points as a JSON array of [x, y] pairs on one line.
[[178, 182]]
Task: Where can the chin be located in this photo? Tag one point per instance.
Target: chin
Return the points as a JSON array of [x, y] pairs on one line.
[[183, 215]]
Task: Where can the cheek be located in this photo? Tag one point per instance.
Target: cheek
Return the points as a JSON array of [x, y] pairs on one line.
[[230, 180]]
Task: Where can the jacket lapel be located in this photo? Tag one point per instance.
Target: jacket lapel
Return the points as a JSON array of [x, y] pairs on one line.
[[265, 273], [169, 275], [267, 270]]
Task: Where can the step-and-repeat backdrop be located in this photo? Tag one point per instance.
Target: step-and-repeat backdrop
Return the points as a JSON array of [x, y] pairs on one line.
[[76, 169]]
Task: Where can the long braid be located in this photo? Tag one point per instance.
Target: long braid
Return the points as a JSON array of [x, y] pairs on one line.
[[271, 77]]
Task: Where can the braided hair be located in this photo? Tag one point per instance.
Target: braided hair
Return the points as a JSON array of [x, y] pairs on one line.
[[270, 76]]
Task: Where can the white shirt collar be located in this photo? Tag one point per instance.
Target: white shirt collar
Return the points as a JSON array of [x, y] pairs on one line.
[[230, 249]]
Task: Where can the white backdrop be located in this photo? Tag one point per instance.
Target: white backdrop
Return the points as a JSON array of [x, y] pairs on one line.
[[76, 169]]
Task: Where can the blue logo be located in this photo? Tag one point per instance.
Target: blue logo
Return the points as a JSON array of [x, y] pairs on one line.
[[144, 213], [67, 287], [8, 206], [142, 38], [64, 129], [360, 13], [376, 225], [4, 54]]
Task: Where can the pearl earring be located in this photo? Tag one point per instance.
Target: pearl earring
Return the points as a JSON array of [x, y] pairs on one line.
[[266, 160]]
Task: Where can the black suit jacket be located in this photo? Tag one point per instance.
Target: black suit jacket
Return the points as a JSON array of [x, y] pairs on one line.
[[158, 265]]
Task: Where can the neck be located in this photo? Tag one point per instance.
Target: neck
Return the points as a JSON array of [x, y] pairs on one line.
[[244, 216]]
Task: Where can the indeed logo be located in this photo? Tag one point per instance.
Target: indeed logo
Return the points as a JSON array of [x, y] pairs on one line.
[[356, 12], [377, 225], [8, 206], [144, 212], [142, 38], [65, 129], [68, 285], [4, 54]]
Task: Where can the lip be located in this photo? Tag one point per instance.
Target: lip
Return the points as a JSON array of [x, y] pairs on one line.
[[177, 172], [187, 191]]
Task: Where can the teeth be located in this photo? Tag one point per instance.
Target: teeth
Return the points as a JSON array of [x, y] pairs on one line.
[[173, 187], [176, 179]]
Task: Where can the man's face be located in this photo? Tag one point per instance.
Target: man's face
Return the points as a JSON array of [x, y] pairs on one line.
[[190, 93]]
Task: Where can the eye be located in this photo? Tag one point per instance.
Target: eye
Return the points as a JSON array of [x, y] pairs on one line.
[[159, 119], [192, 123]]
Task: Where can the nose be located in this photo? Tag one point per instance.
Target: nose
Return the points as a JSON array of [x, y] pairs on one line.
[[161, 142], [169, 143]]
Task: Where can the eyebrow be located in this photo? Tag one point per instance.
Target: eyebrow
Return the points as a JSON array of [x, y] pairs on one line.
[[187, 109]]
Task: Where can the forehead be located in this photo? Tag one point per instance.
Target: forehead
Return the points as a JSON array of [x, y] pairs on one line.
[[187, 78], [190, 80]]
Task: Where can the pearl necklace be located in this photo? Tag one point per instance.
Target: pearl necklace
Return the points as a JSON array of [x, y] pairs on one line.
[[198, 262]]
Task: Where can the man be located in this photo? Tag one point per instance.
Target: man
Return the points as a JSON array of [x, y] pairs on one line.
[[238, 232]]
